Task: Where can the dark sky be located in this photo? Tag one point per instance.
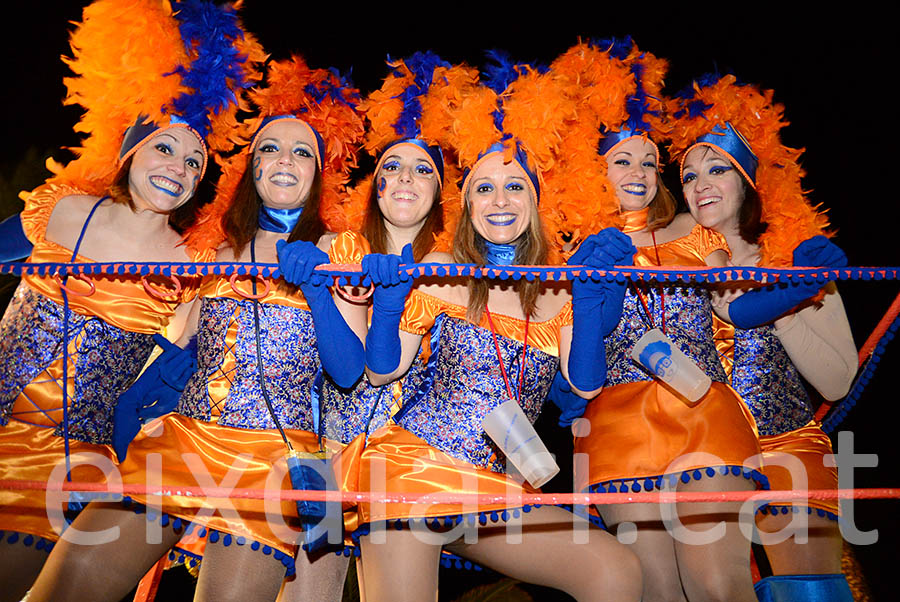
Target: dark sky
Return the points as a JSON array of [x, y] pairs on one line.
[[831, 70]]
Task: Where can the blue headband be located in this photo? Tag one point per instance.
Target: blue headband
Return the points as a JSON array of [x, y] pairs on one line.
[[433, 152], [730, 141], [144, 128], [611, 139], [520, 157], [320, 144]]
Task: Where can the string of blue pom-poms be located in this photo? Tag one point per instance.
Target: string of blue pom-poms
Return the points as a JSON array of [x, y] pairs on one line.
[[349, 274]]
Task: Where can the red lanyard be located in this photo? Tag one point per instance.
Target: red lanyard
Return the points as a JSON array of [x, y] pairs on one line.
[[500, 357], [662, 295]]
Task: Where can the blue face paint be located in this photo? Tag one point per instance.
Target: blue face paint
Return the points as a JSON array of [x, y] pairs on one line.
[[382, 184], [257, 171]]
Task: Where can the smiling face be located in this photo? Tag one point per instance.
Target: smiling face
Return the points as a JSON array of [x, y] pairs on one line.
[[406, 185], [500, 201], [713, 189], [632, 170], [165, 170], [284, 164]]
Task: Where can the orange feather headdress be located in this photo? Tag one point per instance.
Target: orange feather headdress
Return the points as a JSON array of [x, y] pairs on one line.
[[320, 98], [408, 109], [717, 110], [144, 64], [618, 88]]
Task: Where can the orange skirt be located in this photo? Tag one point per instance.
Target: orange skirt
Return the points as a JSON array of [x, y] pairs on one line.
[[641, 430], [397, 461], [179, 451], [33, 453], [808, 444]]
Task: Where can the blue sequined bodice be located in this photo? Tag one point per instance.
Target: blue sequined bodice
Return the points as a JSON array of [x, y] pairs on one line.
[[767, 381], [463, 382], [105, 361], [688, 315], [290, 360]]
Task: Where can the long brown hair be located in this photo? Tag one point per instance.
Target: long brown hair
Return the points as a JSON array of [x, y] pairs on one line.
[[241, 221], [531, 249], [376, 233], [750, 224], [662, 207]]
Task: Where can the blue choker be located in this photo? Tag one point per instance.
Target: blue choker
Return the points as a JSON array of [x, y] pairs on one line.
[[496, 254], [278, 220]]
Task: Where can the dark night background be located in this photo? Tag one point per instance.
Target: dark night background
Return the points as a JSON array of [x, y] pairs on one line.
[[833, 71]]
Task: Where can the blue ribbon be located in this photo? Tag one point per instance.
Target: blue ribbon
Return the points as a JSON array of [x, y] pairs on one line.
[[613, 138], [278, 220], [499, 254]]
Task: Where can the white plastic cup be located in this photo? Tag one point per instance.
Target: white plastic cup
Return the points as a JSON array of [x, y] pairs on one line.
[[510, 429], [662, 358]]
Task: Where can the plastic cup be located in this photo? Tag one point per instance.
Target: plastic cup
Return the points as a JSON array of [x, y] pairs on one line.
[[510, 429], [661, 357]]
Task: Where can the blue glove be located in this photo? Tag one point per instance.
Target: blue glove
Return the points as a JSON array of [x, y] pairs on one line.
[[340, 350], [154, 394], [571, 406], [596, 306], [762, 305], [14, 244], [391, 289]]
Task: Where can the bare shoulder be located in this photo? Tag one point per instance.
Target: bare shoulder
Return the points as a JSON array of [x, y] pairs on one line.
[[68, 216], [325, 241], [438, 257], [683, 224]]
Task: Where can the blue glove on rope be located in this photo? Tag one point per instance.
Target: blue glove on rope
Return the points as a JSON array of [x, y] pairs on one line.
[[596, 306], [155, 393], [762, 305], [340, 350], [571, 406], [391, 289], [13, 242]]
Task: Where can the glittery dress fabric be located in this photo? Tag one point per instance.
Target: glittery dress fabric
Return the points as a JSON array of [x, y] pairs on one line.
[[221, 429], [640, 430], [438, 444], [762, 373], [109, 340]]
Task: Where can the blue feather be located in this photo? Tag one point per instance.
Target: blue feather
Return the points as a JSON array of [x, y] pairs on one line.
[[209, 31], [422, 66]]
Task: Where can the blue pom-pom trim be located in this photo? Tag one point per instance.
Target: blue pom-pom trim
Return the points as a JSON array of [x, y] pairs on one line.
[[27, 539], [482, 518], [775, 509], [636, 485]]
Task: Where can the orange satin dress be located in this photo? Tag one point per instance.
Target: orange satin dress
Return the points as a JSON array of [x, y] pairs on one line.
[[110, 340], [438, 445], [221, 433], [641, 432], [761, 371]]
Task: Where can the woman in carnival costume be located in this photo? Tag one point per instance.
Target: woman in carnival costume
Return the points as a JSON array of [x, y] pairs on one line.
[[71, 345], [741, 181], [436, 443], [639, 435], [261, 352]]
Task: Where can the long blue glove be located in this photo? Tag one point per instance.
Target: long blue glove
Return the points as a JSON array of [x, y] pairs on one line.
[[391, 289], [762, 305], [13, 242], [596, 306], [340, 350], [154, 394], [570, 406]]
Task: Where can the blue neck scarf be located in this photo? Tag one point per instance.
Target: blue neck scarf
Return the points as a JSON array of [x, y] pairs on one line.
[[497, 254], [278, 220]]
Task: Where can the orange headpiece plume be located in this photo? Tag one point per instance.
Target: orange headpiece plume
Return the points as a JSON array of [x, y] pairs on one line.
[[324, 101], [619, 87], [144, 64], [743, 121]]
